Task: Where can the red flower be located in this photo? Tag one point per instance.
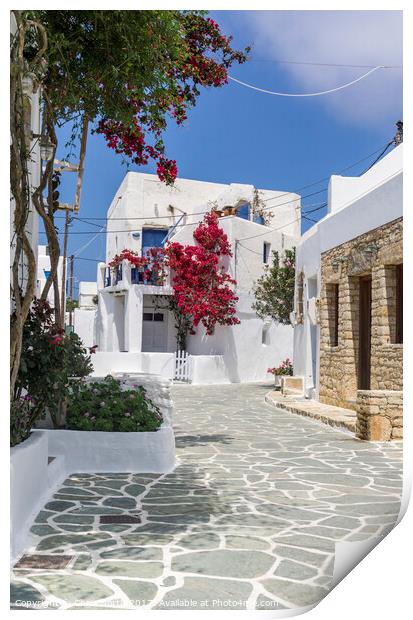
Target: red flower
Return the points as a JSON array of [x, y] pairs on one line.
[[56, 339]]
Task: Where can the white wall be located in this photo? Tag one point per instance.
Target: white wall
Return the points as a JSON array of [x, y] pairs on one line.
[[105, 363], [34, 172], [84, 325], [43, 264], [356, 205], [143, 196], [87, 291], [119, 327]]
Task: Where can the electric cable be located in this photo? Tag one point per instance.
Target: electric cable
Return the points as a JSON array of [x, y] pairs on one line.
[[317, 94]]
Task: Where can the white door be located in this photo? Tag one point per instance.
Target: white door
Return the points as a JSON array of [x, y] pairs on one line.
[[154, 330]]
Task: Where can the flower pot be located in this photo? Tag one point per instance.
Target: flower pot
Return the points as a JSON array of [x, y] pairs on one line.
[[277, 381]]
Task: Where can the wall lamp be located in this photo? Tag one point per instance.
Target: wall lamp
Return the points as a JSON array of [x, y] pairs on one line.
[[47, 147], [370, 249], [336, 262]]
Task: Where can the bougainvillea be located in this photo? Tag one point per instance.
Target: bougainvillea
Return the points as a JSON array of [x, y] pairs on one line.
[[202, 59], [203, 289], [151, 266]]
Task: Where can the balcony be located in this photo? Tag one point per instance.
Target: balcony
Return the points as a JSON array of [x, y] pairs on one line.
[[125, 274]]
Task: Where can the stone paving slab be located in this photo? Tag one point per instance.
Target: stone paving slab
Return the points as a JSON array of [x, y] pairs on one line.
[[248, 520], [328, 414]]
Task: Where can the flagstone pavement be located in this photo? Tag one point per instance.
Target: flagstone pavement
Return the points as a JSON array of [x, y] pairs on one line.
[[248, 520]]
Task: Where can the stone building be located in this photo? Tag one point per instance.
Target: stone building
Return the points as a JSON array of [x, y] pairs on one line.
[[348, 340]]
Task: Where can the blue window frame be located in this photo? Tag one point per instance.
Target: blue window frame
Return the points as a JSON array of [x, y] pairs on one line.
[[153, 238], [244, 212]]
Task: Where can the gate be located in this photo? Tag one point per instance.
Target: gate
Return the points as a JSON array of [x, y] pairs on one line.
[[182, 366]]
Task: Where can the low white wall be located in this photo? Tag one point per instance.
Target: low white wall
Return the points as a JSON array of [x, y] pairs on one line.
[[31, 483], [208, 369], [246, 358], [106, 362], [84, 325], [98, 451]]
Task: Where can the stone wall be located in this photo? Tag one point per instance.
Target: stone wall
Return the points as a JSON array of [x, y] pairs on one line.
[[379, 415], [375, 253]]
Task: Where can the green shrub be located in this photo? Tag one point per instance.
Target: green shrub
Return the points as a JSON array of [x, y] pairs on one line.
[[104, 406], [49, 360]]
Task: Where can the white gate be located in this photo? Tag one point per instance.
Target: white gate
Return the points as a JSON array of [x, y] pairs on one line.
[[182, 366]]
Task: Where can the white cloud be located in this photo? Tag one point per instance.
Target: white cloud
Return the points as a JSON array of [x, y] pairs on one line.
[[348, 37]]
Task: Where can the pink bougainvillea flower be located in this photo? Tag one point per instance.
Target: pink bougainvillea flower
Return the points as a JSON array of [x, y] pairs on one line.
[[56, 339]]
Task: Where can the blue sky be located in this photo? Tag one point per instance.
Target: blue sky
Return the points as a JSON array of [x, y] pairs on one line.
[[238, 135]]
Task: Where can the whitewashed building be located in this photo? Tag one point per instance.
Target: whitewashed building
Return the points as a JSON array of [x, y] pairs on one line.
[[133, 333], [84, 317]]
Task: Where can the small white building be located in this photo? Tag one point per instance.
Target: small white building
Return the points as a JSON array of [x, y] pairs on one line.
[[84, 317], [135, 333], [356, 245], [43, 270]]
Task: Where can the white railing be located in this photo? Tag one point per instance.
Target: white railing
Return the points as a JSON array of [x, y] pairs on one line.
[[182, 366]]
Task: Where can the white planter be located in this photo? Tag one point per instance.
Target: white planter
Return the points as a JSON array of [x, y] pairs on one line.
[[277, 380], [31, 483], [99, 451]]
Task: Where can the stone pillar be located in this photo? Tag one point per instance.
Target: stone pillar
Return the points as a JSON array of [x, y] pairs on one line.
[[379, 415]]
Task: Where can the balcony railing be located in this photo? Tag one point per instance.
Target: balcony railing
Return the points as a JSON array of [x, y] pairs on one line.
[[144, 275]]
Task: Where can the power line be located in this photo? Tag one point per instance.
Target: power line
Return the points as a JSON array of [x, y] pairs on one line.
[[284, 225], [316, 94], [321, 64], [105, 231], [162, 217], [327, 178]]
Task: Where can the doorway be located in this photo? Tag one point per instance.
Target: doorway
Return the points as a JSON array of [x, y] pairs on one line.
[[364, 365], [154, 330]]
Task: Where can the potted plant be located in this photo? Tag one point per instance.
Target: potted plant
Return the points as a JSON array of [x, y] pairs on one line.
[[284, 369]]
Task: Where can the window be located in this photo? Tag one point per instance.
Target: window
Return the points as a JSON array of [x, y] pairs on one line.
[[266, 252], [399, 304], [332, 292], [265, 337], [153, 238], [158, 316], [147, 316], [244, 212]]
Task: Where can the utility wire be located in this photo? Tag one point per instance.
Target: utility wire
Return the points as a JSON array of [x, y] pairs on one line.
[[104, 230], [298, 189], [323, 92], [321, 64]]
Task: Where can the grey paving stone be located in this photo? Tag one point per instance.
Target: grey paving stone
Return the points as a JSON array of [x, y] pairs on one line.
[[73, 588], [206, 540], [294, 570], [133, 553], [207, 594], [225, 563], [298, 594], [257, 492], [139, 592], [149, 570], [24, 596]]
